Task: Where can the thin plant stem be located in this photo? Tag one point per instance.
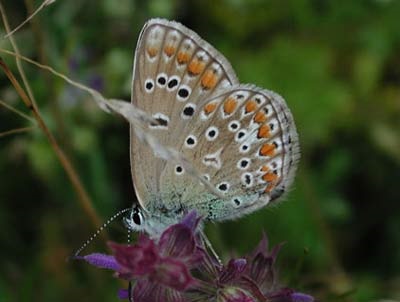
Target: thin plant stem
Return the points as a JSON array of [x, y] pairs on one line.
[[16, 111], [28, 99], [83, 197], [18, 61], [15, 131], [91, 91], [39, 37], [32, 14]]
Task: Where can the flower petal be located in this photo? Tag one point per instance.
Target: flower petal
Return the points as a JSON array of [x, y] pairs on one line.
[[275, 250], [145, 291], [101, 260], [261, 263], [191, 220], [177, 241], [233, 271], [172, 273], [299, 297], [262, 246], [289, 295], [261, 271], [234, 294], [283, 295], [123, 294], [138, 259], [209, 263]]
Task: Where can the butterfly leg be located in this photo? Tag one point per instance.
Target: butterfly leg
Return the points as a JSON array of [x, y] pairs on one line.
[[210, 247]]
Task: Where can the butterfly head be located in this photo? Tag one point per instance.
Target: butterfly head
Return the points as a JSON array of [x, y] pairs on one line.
[[135, 219], [141, 220]]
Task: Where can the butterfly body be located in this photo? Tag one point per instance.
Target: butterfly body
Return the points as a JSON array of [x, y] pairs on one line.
[[240, 138]]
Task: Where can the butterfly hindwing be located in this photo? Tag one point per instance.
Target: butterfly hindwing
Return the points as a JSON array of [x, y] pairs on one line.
[[244, 141]]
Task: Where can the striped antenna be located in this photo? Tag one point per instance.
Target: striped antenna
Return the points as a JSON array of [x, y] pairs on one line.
[[99, 230], [129, 236]]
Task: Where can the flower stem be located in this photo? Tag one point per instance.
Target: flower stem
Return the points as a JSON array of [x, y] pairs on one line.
[[83, 197]]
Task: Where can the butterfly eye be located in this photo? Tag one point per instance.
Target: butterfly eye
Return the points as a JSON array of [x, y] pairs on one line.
[[137, 216]]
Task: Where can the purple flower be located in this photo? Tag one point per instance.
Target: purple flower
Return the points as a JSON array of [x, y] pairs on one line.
[[178, 268], [289, 295]]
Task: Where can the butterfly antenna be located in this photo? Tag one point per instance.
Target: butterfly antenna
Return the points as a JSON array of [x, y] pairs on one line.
[[99, 230], [129, 236]]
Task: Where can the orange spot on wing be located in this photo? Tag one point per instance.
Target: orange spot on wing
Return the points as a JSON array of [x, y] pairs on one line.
[[267, 150], [169, 50], [264, 168], [196, 67], [152, 51], [269, 187], [263, 131], [182, 57], [250, 106], [209, 80], [260, 117], [209, 108], [230, 105], [270, 177]]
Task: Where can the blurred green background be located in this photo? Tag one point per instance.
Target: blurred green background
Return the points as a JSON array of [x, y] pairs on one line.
[[337, 63]]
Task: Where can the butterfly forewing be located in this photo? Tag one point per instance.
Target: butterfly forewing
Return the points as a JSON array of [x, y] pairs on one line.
[[174, 72]]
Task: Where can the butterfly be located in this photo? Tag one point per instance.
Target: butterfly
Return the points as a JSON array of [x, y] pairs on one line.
[[241, 139]]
